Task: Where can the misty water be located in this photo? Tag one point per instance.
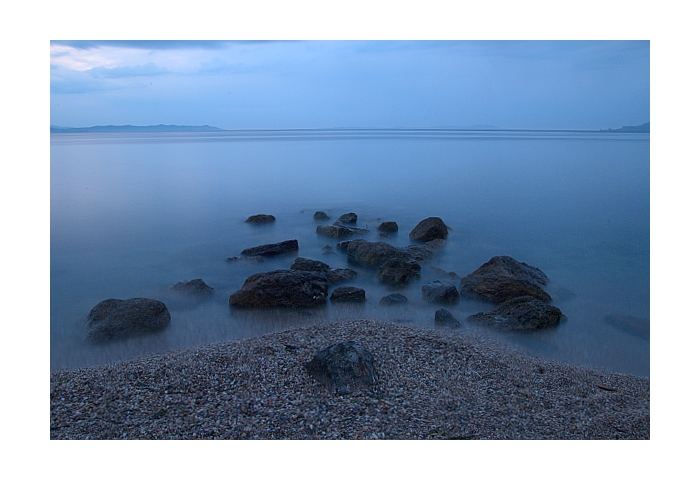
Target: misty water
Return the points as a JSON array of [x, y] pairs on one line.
[[133, 214]]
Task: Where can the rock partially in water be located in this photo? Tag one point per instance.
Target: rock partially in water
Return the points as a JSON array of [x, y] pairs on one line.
[[393, 299], [113, 318], [429, 229], [321, 216], [445, 319], [272, 249], [347, 218], [327, 250], [388, 227], [348, 294], [503, 278], [398, 272], [521, 313], [282, 288], [440, 292], [343, 367], [193, 287], [260, 219], [639, 327], [339, 231], [337, 275], [373, 254]]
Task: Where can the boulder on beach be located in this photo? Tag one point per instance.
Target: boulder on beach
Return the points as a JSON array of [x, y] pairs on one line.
[[388, 227], [373, 254], [521, 313], [343, 367], [393, 299], [339, 231], [272, 249], [113, 318], [348, 294], [321, 216], [282, 288], [429, 229], [440, 292], [260, 219], [503, 278], [445, 319], [398, 272], [347, 218]]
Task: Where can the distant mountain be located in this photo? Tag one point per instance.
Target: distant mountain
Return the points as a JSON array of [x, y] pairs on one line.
[[134, 128], [643, 128]]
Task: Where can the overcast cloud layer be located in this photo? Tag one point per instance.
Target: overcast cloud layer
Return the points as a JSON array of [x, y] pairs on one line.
[[241, 85]]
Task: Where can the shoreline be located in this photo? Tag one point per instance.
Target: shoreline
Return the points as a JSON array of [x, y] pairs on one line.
[[433, 384]]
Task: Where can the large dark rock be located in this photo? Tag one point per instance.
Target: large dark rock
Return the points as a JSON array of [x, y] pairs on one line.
[[429, 229], [521, 313], [320, 216], [282, 288], [503, 278], [336, 275], [445, 319], [348, 294], [195, 287], [343, 367], [260, 218], [373, 254], [440, 292], [347, 218], [272, 249], [398, 272], [339, 231], [393, 299], [113, 318], [388, 227]]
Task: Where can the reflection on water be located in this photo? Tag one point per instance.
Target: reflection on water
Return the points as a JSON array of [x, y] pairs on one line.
[[132, 214]]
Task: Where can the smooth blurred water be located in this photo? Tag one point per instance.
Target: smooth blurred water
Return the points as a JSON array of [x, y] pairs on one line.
[[132, 214]]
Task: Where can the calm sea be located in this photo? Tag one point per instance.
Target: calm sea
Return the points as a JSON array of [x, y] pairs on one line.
[[132, 214]]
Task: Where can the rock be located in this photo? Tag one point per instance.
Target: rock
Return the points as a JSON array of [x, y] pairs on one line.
[[327, 249], [444, 319], [436, 244], [503, 278], [393, 299], [398, 272], [450, 275], [260, 218], [521, 313], [373, 254], [440, 292], [113, 318], [282, 288], [639, 327], [339, 231], [347, 218], [308, 265], [333, 276], [343, 367], [272, 249], [429, 229], [193, 287], [348, 294], [388, 227], [340, 275], [320, 216]]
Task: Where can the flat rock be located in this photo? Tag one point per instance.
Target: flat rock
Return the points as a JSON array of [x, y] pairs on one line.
[[272, 249], [348, 294], [113, 318], [282, 288], [339, 231], [503, 278], [260, 218], [440, 292], [393, 299], [429, 229], [398, 272], [343, 367], [521, 313], [445, 319]]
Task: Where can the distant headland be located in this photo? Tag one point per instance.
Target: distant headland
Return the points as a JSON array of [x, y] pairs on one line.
[[643, 128], [135, 128]]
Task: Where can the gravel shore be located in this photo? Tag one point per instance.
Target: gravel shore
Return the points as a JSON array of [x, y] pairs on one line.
[[433, 384]]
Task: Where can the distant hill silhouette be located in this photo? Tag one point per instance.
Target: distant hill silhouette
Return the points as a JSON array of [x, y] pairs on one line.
[[134, 128], [643, 128]]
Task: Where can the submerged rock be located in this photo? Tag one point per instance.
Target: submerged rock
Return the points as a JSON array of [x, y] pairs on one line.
[[398, 272], [347, 218], [272, 249], [521, 313], [260, 218], [429, 229], [388, 227], [440, 292], [282, 288], [114, 318], [639, 327], [193, 287], [503, 278], [339, 231], [393, 299], [445, 319], [343, 367], [320, 216], [348, 294], [336, 275], [373, 254]]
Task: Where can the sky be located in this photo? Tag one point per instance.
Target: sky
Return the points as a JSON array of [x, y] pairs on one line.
[[356, 84]]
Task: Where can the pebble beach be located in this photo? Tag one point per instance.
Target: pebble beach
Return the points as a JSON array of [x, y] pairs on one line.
[[433, 384]]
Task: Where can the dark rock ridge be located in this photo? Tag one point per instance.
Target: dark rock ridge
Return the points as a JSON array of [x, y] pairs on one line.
[[260, 218], [398, 272], [193, 287], [333, 276], [348, 294], [282, 288], [320, 216], [445, 319], [339, 231], [429, 229], [503, 278], [388, 227], [373, 254], [114, 318], [343, 367], [272, 249], [440, 292], [393, 299], [347, 218], [521, 313]]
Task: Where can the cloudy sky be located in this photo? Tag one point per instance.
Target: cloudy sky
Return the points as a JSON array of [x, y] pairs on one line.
[[325, 84]]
